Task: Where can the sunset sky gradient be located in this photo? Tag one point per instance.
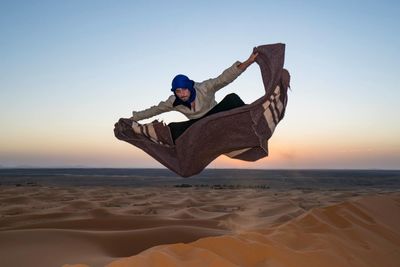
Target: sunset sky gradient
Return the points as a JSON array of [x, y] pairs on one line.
[[70, 69]]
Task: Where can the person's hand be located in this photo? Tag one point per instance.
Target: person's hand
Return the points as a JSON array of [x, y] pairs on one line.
[[135, 123], [243, 66], [252, 57], [132, 120], [134, 117]]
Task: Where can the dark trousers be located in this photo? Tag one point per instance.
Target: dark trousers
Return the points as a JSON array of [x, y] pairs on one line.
[[229, 102]]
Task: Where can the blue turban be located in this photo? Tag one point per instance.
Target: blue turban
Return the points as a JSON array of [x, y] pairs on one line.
[[182, 81]]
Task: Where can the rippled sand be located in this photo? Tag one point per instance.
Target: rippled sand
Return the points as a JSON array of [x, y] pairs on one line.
[[99, 226]]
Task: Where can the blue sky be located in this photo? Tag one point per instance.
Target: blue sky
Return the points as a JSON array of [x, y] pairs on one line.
[[70, 69]]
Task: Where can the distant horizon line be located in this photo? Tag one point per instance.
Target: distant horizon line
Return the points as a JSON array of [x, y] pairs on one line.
[[213, 168]]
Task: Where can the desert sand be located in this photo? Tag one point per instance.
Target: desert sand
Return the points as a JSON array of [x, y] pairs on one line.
[[195, 226]]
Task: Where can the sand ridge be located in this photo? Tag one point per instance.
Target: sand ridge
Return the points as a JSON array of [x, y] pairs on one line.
[[347, 234]]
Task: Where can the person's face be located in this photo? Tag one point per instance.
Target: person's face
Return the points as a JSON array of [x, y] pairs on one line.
[[183, 93]]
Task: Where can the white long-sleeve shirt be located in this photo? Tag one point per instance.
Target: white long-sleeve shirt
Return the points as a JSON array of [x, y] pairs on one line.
[[204, 101]]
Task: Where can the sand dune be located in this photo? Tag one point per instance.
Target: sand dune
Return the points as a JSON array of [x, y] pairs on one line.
[[362, 232], [99, 226]]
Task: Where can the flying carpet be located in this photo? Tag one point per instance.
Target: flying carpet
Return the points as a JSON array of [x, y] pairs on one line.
[[241, 133]]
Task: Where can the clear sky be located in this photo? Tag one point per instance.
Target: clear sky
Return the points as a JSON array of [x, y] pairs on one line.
[[70, 69]]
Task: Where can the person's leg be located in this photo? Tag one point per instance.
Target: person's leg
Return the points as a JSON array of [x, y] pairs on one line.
[[230, 101], [177, 128]]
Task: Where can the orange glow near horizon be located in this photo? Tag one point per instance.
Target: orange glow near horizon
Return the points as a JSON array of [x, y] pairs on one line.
[[283, 153]]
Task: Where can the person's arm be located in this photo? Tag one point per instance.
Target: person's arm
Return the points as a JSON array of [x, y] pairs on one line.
[[229, 75], [162, 107]]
